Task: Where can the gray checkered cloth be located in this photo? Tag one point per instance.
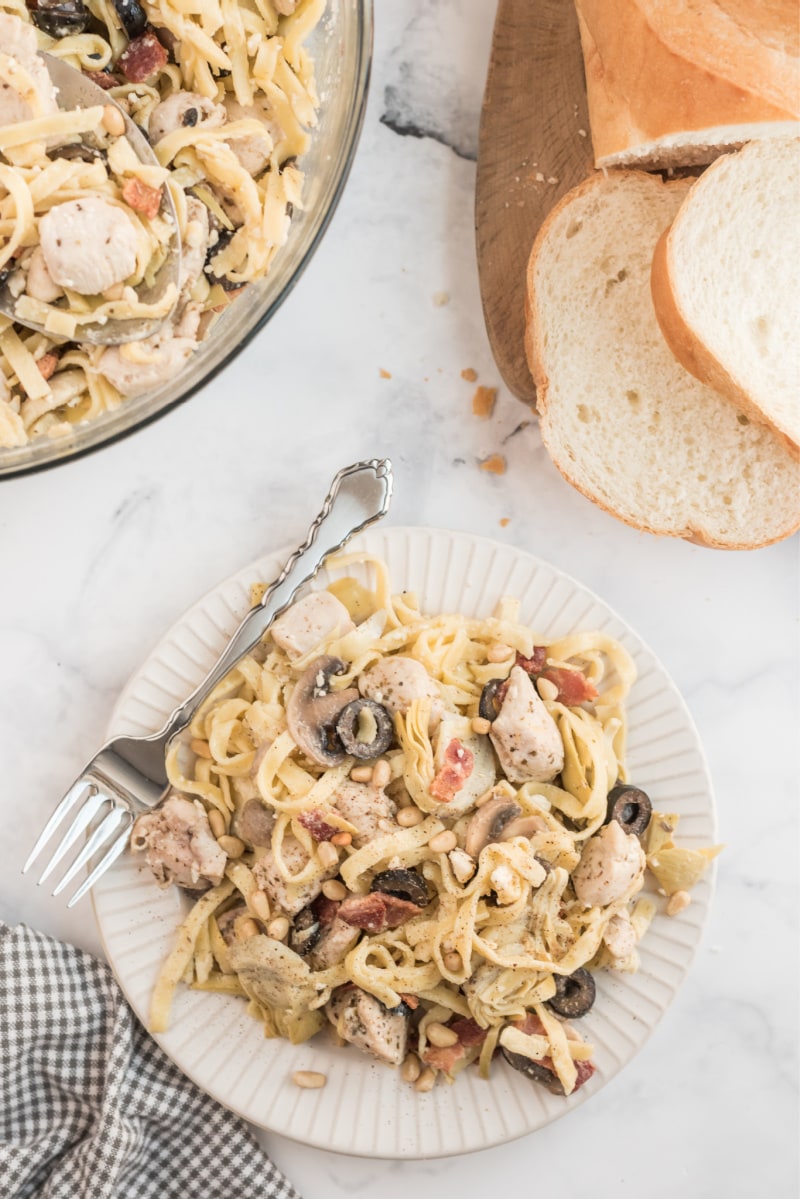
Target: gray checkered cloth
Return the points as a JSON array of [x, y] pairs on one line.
[[91, 1107]]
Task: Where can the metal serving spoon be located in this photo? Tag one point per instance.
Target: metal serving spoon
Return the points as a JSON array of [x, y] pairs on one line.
[[76, 91]]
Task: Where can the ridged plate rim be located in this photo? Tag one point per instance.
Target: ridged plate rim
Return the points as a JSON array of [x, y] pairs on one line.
[[365, 1110]]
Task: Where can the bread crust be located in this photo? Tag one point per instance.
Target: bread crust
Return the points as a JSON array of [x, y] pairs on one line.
[[689, 349], [534, 355], [659, 71]]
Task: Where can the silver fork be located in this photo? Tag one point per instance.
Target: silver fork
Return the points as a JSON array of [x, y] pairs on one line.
[[128, 775]]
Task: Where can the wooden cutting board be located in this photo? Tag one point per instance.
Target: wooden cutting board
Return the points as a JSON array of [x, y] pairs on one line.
[[534, 145]]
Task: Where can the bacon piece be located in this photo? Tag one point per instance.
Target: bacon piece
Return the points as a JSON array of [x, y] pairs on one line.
[[409, 1000], [573, 686], [103, 79], [376, 912], [531, 1025], [458, 764], [536, 663], [325, 910], [141, 197], [142, 58], [443, 1059], [469, 1032], [317, 825], [47, 364], [585, 1072]]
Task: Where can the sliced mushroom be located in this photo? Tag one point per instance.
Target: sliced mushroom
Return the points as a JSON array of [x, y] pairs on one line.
[[405, 884], [534, 1070], [523, 826], [313, 710], [365, 729], [630, 807], [492, 698], [489, 823]]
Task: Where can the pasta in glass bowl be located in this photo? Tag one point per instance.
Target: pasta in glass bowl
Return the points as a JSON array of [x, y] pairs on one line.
[[277, 165]]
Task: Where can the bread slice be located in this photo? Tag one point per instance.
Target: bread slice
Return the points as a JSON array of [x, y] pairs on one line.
[[675, 82], [620, 417], [726, 283]]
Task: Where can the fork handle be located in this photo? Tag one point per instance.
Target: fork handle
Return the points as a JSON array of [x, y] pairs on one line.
[[359, 495]]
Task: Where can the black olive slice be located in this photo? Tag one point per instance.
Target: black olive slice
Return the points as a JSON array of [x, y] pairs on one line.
[[60, 18], [306, 932], [630, 807], [534, 1070], [133, 17], [574, 994], [79, 152], [404, 884], [492, 697], [348, 724]]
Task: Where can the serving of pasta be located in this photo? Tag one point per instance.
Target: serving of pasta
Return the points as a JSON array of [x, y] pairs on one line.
[[226, 94], [417, 832]]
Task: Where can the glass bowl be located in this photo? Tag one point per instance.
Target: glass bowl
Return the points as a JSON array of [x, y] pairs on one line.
[[341, 47]]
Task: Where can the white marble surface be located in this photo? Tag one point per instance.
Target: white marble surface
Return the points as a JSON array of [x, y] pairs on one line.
[[99, 557]]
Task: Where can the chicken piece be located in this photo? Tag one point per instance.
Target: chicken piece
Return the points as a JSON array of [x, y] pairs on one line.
[[620, 936], [315, 618], [166, 355], [525, 735], [368, 809], [611, 863], [363, 1021], [397, 682], [184, 110], [252, 150], [18, 41], [334, 945], [38, 283], [179, 845], [88, 244], [194, 245], [290, 897]]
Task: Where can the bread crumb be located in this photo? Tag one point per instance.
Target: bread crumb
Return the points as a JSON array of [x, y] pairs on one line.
[[505, 521], [470, 374], [581, 133], [539, 177], [483, 402], [495, 464], [552, 179], [385, 374], [441, 298]]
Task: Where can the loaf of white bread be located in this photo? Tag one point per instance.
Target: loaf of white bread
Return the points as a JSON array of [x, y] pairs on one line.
[[622, 419], [675, 82], [726, 283]]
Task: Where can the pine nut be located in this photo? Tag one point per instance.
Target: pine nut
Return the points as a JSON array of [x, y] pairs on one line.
[[443, 842], [328, 855], [381, 773], [309, 1080], [498, 652], [453, 962], [232, 846], [278, 928], [547, 689], [216, 823], [113, 121], [410, 1069], [361, 774], [333, 889], [482, 799], [200, 748], [481, 725], [441, 1036], [259, 902], [426, 1081], [408, 817], [246, 929], [342, 839], [678, 902]]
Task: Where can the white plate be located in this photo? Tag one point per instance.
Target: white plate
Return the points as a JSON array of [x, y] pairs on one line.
[[364, 1108]]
